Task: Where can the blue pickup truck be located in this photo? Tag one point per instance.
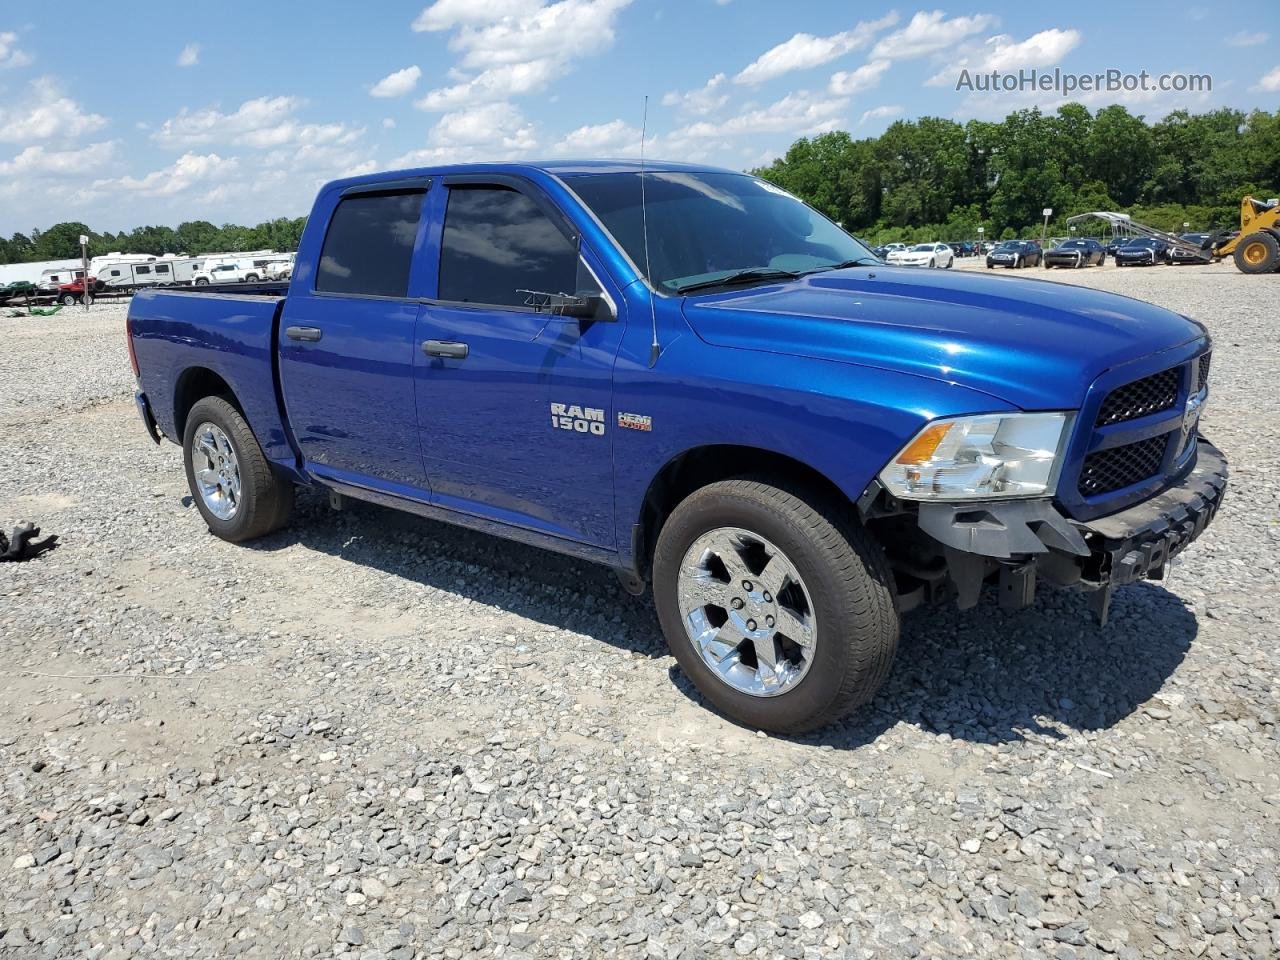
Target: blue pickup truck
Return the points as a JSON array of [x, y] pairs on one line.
[[691, 376]]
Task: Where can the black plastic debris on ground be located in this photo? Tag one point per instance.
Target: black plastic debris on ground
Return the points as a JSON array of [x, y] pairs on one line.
[[23, 545]]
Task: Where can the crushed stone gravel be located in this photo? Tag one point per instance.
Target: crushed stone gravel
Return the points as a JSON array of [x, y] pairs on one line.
[[375, 737]]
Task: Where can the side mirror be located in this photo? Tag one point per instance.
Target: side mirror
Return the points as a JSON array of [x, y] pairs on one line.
[[584, 305], [589, 306]]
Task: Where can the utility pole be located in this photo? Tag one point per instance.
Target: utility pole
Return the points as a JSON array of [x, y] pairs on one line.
[[84, 260], [1044, 230]]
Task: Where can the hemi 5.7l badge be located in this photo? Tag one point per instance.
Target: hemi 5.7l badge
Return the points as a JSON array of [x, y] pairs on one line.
[[635, 421]]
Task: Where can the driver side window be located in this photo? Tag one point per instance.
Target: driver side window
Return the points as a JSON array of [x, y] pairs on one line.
[[498, 242]]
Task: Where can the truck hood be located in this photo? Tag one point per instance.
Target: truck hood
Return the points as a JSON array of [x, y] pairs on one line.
[[1032, 343]]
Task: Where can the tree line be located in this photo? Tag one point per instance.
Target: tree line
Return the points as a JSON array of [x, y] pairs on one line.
[[62, 240], [923, 179], [934, 178]]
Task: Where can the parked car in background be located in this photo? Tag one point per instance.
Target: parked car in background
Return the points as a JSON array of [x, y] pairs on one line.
[[1142, 252], [923, 255], [1084, 252], [1114, 244], [18, 290], [229, 271], [1015, 254], [73, 292], [1178, 256], [885, 249]]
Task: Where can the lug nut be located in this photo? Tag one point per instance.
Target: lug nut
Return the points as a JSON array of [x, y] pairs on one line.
[[751, 624], [768, 621], [746, 585], [767, 598], [737, 603]]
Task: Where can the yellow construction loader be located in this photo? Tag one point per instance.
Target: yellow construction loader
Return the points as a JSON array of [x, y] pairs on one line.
[[1256, 248]]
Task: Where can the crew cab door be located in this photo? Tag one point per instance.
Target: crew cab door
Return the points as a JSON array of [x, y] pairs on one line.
[[347, 344], [514, 403]]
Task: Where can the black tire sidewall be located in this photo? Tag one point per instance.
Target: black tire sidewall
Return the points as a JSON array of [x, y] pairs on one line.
[[254, 499], [822, 684]]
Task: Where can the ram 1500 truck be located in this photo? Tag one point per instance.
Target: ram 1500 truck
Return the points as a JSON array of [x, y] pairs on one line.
[[691, 376]]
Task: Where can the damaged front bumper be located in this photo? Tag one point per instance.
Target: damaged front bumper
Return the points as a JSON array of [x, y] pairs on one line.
[[1022, 540]]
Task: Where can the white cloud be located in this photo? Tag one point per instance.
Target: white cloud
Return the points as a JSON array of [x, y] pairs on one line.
[[190, 55], [1003, 53], [1245, 38], [497, 83], [804, 50], [188, 171], [397, 84], [10, 55], [881, 113], [617, 138], [259, 123], [699, 101], [1269, 82], [447, 14], [39, 161], [46, 115], [389, 123], [489, 131], [866, 77], [510, 48], [798, 113], [929, 33]]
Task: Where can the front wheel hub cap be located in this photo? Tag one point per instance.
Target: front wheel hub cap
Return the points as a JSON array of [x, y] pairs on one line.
[[747, 611]]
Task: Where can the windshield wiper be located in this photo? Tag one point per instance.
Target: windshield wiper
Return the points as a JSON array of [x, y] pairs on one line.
[[742, 276], [846, 264]]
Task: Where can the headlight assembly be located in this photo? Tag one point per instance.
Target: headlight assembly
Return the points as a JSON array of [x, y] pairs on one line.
[[981, 458]]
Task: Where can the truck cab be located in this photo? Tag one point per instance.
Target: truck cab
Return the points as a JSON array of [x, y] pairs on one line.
[[692, 377]]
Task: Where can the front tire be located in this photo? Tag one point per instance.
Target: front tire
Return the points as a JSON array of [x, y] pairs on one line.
[[776, 603], [1258, 253], [234, 487]]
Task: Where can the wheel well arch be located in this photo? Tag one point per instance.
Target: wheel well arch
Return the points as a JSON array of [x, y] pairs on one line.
[[697, 467], [194, 384]]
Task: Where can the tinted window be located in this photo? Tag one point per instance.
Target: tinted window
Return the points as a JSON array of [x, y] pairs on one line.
[[705, 226], [370, 244], [144, 269], [162, 268], [497, 242]]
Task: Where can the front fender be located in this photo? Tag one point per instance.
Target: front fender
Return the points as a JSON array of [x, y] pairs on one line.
[[841, 420]]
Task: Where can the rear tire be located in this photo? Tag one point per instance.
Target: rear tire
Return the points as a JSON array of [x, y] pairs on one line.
[[263, 500], [841, 578], [1258, 253]]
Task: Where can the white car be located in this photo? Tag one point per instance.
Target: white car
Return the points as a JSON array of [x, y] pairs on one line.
[[923, 255], [230, 271]]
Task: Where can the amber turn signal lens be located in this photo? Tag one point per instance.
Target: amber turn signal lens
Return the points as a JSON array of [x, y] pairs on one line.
[[922, 448]]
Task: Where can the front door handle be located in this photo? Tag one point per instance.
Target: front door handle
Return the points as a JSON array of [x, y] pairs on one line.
[[445, 348], [310, 334]]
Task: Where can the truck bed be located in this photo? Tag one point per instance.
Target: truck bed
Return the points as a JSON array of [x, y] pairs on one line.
[[183, 337]]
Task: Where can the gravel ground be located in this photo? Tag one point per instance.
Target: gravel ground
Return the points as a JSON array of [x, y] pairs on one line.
[[376, 737]]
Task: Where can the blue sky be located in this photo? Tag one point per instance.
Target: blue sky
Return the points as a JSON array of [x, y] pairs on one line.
[[242, 112]]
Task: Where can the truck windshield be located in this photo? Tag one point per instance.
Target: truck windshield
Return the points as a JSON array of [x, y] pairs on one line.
[[707, 226]]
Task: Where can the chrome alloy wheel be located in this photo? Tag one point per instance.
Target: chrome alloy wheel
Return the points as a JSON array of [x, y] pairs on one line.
[[746, 611], [216, 469]]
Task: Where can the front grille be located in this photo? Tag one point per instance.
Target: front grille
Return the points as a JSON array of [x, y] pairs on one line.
[[1119, 467], [1202, 371], [1142, 397]]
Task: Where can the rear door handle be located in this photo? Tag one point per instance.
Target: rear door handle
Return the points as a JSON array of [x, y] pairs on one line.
[[310, 334], [445, 348]]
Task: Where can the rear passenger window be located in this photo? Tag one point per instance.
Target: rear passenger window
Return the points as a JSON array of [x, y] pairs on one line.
[[369, 245], [496, 243]]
